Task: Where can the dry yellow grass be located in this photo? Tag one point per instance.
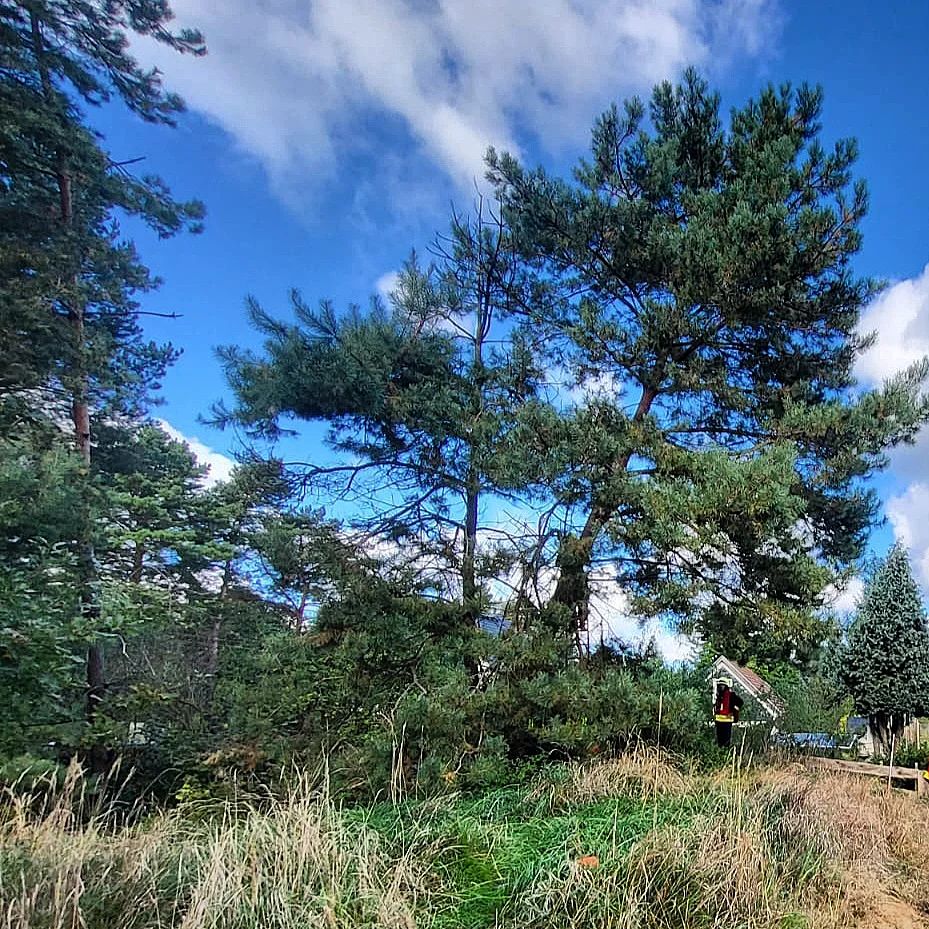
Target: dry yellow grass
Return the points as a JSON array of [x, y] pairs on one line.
[[758, 849], [295, 864], [642, 772], [777, 848], [880, 839]]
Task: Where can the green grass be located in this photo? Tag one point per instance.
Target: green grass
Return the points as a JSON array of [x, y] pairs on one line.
[[675, 850], [489, 850], [493, 862]]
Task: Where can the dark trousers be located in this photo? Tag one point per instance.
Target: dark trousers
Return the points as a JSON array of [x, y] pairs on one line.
[[723, 734]]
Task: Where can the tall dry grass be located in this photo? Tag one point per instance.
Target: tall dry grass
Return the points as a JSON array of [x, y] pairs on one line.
[[296, 862], [643, 772], [750, 855], [753, 849]]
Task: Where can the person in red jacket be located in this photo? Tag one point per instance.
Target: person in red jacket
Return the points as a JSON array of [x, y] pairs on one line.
[[725, 713]]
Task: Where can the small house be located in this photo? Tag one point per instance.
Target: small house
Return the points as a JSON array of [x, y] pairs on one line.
[[750, 686]]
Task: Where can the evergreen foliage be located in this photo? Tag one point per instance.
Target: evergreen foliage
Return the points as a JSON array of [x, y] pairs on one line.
[[885, 662], [694, 285], [72, 343], [61, 253], [703, 271], [421, 401], [637, 382]]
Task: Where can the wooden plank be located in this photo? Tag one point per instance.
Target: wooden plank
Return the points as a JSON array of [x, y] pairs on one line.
[[861, 767]]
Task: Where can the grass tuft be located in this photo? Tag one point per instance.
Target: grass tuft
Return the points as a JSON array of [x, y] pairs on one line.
[[636, 843]]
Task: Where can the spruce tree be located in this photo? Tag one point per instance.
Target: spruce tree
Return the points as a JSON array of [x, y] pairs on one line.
[[885, 662]]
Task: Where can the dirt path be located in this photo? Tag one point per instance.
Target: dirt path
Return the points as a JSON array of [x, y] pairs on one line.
[[888, 913]]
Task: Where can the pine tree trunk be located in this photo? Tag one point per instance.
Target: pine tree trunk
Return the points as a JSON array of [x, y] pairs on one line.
[[469, 588], [212, 654], [575, 554], [79, 383], [469, 585], [80, 417], [138, 563], [572, 591]]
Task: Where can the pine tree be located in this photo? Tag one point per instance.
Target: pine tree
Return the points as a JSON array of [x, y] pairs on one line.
[[148, 544], [885, 662], [150, 507], [62, 262], [231, 516], [419, 398], [703, 272], [69, 279]]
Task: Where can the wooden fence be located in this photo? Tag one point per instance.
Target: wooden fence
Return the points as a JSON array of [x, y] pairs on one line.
[[888, 772]]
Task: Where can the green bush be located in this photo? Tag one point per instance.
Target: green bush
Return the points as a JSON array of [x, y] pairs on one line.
[[392, 695], [908, 755]]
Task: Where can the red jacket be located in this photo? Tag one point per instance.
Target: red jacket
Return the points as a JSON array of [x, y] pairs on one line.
[[727, 707]]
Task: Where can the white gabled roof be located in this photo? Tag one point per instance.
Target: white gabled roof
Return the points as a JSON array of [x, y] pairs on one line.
[[751, 682]]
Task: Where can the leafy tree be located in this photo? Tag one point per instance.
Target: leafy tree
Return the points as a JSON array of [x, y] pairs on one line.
[[701, 272], [149, 547], [182, 600], [181, 588], [885, 662], [335, 687], [42, 633]]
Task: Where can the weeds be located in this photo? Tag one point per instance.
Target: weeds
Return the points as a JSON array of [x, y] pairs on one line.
[[754, 850]]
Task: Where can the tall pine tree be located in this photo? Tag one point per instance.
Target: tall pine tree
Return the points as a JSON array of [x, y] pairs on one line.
[[70, 282], [701, 271], [420, 399]]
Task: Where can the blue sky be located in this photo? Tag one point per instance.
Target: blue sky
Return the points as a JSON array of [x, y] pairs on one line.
[[328, 138]]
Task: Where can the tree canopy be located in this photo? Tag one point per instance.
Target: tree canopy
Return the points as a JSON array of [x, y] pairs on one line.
[[629, 389], [693, 283]]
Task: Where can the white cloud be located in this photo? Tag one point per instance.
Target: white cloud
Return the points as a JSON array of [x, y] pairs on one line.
[[611, 617], [900, 317], [845, 599], [296, 83], [602, 386], [908, 513], [220, 465], [386, 284]]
